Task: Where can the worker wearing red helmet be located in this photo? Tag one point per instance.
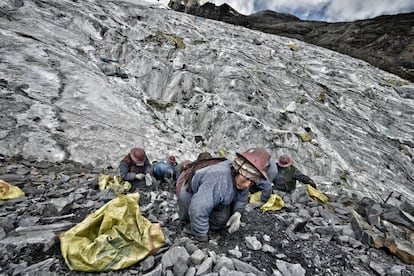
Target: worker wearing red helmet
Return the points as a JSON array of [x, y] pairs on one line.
[[288, 174], [218, 193], [136, 168]]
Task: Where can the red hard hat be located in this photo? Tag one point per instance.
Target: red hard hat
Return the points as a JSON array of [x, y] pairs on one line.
[[258, 157], [138, 155], [284, 161], [171, 160]]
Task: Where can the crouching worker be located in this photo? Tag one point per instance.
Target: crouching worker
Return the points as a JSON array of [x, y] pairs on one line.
[[136, 168], [216, 195], [164, 170], [287, 175]]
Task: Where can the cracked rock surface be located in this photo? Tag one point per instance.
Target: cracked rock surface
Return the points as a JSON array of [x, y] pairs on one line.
[[87, 81], [82, 82]]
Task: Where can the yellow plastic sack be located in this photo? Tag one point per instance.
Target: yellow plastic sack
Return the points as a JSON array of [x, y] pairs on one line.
[[108, 181], [114, 237], [315, 194], [274, 203], [8, 191]]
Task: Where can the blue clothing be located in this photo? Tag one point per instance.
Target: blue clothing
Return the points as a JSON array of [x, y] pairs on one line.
[[265, 185], [162, 170], [213, 200]]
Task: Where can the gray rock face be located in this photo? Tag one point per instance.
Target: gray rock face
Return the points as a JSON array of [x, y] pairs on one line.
[[385, 41], [186, 85]]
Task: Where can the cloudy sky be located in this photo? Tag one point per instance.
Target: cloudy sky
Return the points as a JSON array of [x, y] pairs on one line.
[[325, 10]]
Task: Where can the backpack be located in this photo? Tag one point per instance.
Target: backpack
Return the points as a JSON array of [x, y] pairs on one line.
[[187, 174]]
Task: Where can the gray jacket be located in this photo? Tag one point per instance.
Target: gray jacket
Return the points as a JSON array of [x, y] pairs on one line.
[[214, 188]]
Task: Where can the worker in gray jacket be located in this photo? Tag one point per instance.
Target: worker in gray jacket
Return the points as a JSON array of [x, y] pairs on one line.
[[218, 193]]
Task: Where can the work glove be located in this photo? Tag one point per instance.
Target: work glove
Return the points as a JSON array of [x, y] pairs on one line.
[[234, 222], [148, 179], [251, 206], [313, 184], [139, 176]]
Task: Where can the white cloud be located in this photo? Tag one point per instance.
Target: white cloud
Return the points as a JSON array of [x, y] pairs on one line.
[[294, 5], [335, 10], [355, 9], [156, 3]]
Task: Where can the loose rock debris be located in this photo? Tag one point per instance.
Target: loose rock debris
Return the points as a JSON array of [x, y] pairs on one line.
[[343, 237]]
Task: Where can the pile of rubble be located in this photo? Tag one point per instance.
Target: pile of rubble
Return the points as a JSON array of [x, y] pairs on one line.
[[345, 236]]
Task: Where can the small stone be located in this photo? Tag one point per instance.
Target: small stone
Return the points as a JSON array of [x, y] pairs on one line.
[[253, 243], [245, 267], [224, 262], [174, 217], [180, 268], [280, 256], [364, 259], [378, 268], [288, 269], [268, 248], [396, 270], [170, 258], [148, 263], [64, 178], [198, 257], [2, 233], [277, 273], [205, 267], [355, 243], [304, 213], [304, 236], [190, 247], [343, 239], [235, 252], [191, 271]]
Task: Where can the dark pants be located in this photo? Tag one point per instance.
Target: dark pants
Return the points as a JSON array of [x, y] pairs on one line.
[[218, 217]]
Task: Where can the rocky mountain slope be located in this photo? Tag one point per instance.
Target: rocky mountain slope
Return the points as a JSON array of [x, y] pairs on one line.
[[81, 82], [88, 81], [304, 238], [386, 41]]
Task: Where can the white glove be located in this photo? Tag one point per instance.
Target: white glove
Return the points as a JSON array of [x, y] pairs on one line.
[[148, 179], [139, 176], [234, 222]]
